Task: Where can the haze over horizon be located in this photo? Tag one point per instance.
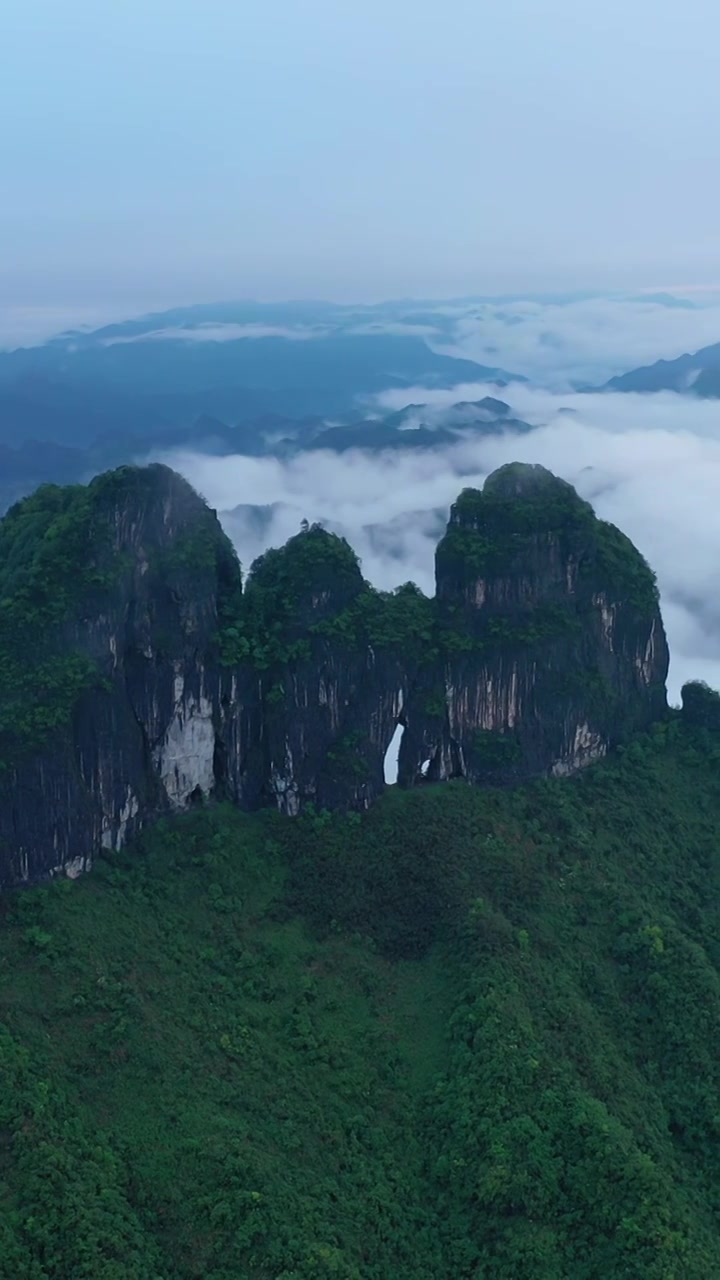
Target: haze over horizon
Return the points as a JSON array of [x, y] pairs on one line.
[[173, 153]]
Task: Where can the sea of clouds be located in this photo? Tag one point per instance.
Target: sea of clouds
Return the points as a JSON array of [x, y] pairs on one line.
[[558, 344], [584, 342], [650, 464]]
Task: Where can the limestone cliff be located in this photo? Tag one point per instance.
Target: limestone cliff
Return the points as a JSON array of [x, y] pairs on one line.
[[138, 676], [109, 703], [554, 645]]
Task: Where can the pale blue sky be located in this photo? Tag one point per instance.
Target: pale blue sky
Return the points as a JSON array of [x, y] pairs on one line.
[[161, 151]]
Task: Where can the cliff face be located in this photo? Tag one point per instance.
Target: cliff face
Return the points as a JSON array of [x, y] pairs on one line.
[[313, 703], [138, 676], [556, 648], [135, 618]]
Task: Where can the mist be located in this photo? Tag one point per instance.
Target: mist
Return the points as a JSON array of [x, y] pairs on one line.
[[584, 340]]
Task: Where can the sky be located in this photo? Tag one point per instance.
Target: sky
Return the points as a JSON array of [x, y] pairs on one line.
[[157, 152]]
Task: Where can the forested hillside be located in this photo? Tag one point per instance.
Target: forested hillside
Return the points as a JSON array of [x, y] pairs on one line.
[[472, 1033]]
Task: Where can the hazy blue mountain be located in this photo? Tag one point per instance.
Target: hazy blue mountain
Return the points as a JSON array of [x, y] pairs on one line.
[[316, 375], [246, 378], [239, 361], [418, 427], [42, 406], [697, 374], [31, 462]]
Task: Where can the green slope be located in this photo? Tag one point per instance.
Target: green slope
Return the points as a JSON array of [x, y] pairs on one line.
[[473, 1034]]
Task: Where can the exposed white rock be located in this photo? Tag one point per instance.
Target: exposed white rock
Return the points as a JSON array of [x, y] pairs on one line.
[[284, 787], [113, 832], [392, 756], [130, 810], [607, 618], [328, 697], [184, 759], [646, 664], [513, 700], [587, 747]]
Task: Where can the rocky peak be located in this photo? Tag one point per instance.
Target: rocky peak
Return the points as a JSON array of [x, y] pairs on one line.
[[167, 544], [517, 541], [528, 540], [309, 580]]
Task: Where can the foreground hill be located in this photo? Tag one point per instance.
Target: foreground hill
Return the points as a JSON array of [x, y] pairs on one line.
[[471, 1033]]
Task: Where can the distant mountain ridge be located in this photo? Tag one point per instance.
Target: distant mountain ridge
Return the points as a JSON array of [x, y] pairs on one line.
[[695, 374], [238, 360], [35, 461], [83, 402]]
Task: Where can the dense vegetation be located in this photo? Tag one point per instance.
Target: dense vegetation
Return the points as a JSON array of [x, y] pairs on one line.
[[62, 563], [313, 587], [471, 1034], [54, 554], [492, 531]]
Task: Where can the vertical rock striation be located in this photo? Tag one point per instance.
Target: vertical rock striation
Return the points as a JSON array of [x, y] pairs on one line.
[[136, 674], [553, 645], [121, 584]]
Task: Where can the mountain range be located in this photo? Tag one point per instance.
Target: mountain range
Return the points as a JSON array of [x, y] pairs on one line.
[[228, 379], [166, 370]]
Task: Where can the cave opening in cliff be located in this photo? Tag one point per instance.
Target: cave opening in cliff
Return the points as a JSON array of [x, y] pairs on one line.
[[392, 755]]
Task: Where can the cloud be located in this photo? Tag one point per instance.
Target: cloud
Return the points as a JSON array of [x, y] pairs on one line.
[[586, 341], [396, 329], [650, 464], [31, 326], [220, 333], [556, 343], [386, 510]]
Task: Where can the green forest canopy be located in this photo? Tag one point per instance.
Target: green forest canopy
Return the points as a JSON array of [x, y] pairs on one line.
[[471, 1034]]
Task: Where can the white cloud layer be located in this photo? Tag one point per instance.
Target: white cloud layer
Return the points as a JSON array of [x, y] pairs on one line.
[[583, 342], [218, 333], [557, 344], [651, 464]]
